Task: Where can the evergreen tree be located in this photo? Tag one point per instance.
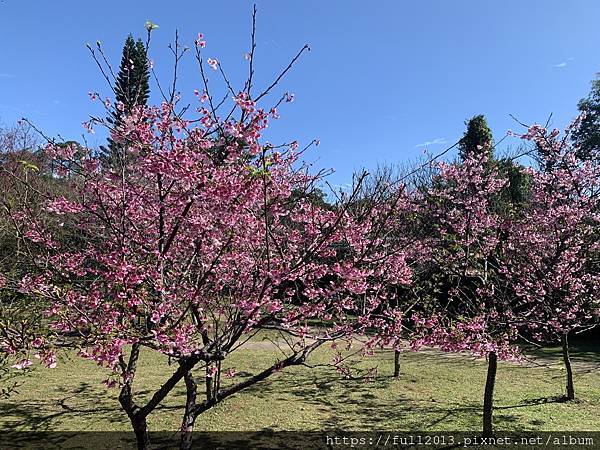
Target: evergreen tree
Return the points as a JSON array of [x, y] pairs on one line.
[[514, 195], [587, 137], [477, 139], [131, 89]]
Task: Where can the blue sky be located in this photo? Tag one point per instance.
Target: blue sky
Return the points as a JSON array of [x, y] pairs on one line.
[[383, 78]]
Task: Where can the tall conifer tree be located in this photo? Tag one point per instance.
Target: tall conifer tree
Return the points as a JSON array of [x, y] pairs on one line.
[[477, 139], [131, 89]]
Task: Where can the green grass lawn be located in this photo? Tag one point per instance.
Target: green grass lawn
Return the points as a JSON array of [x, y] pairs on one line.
[[434, 393]]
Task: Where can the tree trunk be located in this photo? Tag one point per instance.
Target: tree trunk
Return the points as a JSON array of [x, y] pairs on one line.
[[488, 396], [396, 363], [189, 416], [138, 420], [140, 427], [567, 359]]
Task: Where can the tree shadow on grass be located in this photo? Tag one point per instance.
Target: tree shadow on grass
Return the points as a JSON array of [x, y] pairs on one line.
[[585, 354], [535, 401], [355, 404], [344, 404], [85, 400], [356, 399]]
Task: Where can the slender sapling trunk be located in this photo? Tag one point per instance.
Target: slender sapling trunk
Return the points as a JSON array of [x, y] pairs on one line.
[[488, 396], [567, 360], [396, 363]]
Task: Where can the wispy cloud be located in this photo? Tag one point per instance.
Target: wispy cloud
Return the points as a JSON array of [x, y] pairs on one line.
[[436, 141], [342, 187], [564, 63], [6, 75]]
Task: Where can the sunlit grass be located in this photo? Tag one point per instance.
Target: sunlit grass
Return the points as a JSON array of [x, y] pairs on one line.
[[434, 392]]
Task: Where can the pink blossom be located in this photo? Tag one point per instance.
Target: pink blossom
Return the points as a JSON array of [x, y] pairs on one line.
[[213, 63], [200, 42], [88, 125], [22, 364]]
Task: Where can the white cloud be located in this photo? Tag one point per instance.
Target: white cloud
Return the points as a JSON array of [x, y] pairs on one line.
[[564, 63], [436, 141], [342, 187]]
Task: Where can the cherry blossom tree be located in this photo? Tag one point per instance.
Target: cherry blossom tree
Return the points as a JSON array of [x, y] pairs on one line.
[[553, 244], [397, 189], [208, 235], [458, 300], [515, 273], [471, 311]]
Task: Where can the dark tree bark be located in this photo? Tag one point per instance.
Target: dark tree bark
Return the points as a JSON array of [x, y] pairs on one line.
[[140, 427], [567, 359], [214, 397], [137, 415], [488, 396], [396, 363], [138, 421], [189, 418]]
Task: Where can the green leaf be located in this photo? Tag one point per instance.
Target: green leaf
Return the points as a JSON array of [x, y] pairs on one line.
[[150, 25], [28, 165], [257, 172]]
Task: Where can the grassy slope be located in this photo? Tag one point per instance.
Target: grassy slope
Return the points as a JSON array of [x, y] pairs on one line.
[[435, 392]]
